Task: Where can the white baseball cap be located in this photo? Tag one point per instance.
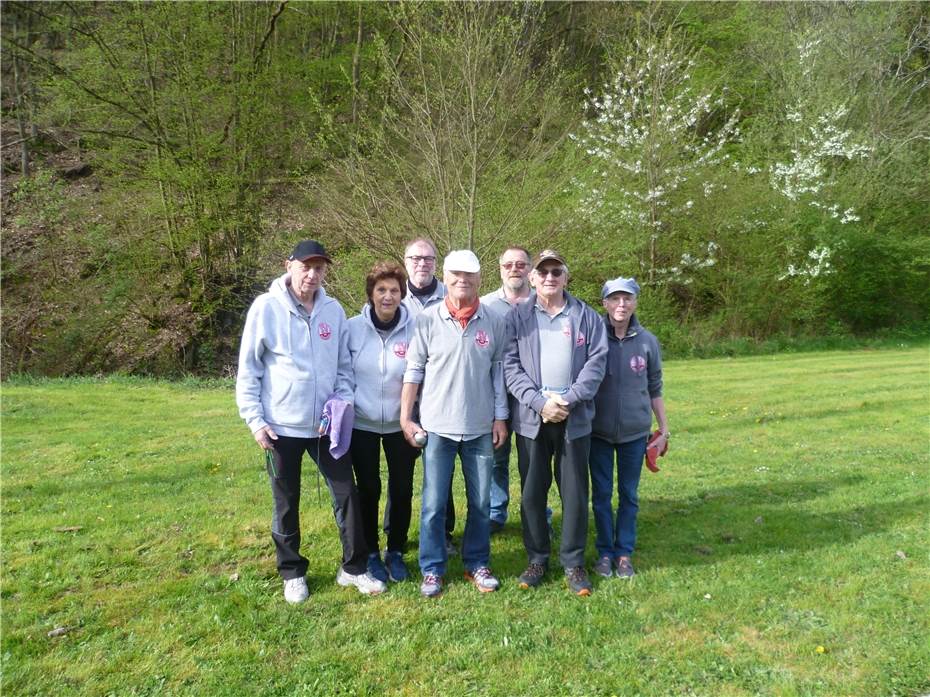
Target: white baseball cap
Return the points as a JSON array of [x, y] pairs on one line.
[[461, 260]]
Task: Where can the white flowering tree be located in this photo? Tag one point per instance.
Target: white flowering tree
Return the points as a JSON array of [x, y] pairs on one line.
[[819, 142], [656, 145]]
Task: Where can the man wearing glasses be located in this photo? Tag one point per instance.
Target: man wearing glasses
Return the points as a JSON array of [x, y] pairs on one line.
[[515, 289], [554, 364], [424, 290]]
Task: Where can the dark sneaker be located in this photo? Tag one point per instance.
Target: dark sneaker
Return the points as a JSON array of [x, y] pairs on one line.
[[431, 586], [532, 577], [483, 579], [396, 569], [376, 567], [496, 526], [604, 567], [578, 581], [625, 568]]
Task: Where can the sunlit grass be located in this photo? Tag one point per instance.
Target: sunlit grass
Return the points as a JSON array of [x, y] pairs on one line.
[[136, 515]]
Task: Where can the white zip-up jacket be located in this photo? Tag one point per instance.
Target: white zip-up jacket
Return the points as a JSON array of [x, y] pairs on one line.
[[379, 366], [290, 363]]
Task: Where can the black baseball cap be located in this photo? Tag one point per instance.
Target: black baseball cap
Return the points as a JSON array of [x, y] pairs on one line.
[[307, 250]]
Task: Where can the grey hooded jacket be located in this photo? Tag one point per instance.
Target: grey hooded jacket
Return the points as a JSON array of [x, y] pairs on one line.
[[522, 367], [634, 377], [291, 363]]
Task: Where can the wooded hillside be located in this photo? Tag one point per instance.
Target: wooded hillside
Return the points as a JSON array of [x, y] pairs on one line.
[[762, 169]]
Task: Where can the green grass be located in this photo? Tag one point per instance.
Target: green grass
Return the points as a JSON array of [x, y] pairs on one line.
[[772, 530]]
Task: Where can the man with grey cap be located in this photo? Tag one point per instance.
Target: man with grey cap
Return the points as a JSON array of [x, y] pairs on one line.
[[455, 355], [293, 358], [554, 364], [628, 397]]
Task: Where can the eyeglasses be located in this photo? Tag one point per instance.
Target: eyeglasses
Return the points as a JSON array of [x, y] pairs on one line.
[[417, 259], [518, 265], [555, 273]]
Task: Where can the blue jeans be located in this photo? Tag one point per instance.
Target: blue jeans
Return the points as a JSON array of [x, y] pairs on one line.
[[500, 482], [477, 456], [615, 537]]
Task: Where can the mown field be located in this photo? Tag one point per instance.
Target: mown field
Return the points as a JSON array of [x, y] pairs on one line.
[[783, 551]]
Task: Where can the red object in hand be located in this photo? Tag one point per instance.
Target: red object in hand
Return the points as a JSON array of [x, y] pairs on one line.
[[652, 451]]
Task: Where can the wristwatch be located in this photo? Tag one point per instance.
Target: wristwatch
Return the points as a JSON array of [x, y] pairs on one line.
[[668, 435]]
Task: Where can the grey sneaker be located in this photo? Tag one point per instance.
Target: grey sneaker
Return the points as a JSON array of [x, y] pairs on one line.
[[295, 590], [483, 579], [604, 567], [625, 568], [532, 576], [578, 581], [366, 583], [431, 586]]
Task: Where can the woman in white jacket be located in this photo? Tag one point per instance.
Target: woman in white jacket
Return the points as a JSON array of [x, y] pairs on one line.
[[378, 341]]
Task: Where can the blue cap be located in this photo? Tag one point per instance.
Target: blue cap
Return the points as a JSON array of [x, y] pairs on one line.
[[620, 285]]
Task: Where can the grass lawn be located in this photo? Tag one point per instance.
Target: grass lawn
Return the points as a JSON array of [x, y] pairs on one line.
[[783, 550]]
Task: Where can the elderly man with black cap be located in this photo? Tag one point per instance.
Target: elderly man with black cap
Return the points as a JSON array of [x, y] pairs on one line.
[[630, 394], [456, 354], [554, 364], [294, 358]]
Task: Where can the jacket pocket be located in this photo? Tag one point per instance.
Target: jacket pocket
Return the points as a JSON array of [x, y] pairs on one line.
[[291, 403]]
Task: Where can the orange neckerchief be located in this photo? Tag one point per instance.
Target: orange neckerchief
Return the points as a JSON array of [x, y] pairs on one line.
[[464, 314]]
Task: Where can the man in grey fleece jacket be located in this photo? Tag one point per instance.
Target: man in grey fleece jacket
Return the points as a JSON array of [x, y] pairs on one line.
[[294, 356], [554, 365]]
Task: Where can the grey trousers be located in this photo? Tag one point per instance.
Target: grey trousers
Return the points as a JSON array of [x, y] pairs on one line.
[[537, 458]]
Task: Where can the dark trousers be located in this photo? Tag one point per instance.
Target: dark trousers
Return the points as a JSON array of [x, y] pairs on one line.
[[536, 458], [284, 475], [366, 461], [450, 513]]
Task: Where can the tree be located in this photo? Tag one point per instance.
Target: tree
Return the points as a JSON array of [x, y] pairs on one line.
[[655, 144], [463, 146]]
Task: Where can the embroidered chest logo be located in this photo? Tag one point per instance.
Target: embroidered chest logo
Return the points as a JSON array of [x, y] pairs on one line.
[[400, 349], [638, 364], [325, 331], [482, 339], [579, 340]]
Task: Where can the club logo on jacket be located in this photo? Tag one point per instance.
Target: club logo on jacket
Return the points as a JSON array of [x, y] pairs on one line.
[[325, 331], [579, 340], [400, 349], [637, 364], [482, 339]]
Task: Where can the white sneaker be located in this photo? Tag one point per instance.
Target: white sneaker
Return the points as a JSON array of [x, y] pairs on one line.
[[366, 583], [295, 590]]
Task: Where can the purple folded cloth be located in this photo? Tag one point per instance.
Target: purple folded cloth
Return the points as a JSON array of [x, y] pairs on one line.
[[337, 422]]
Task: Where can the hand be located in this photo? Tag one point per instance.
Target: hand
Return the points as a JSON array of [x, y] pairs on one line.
[[499, 433], [411, 429], [555, 410], [265, 437]]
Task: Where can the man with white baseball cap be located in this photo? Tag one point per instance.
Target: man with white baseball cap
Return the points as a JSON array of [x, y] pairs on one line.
[[455, 355], [626, 400]]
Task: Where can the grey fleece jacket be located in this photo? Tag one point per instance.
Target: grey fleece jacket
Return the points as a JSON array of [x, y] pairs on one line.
[[634, 377], [522, 367], [291, 363]]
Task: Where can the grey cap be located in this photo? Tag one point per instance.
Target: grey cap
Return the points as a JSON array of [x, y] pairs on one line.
[[620, 285]]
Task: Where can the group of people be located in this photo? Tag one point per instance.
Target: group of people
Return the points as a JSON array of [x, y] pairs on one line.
[[429, 367]]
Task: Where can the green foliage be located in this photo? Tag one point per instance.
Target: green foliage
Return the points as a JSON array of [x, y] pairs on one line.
[[220, 133], [779, 523]]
